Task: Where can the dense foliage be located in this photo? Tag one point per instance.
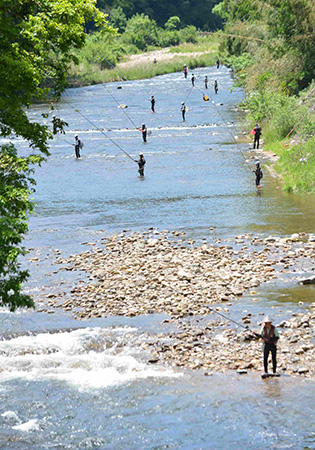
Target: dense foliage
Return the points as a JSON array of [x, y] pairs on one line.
[[274, 60], [37, 38], [190, 12]]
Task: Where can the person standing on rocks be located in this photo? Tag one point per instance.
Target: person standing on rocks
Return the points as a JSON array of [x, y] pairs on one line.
[[141, 164], [258, 173], [257, 131], [270, 336]]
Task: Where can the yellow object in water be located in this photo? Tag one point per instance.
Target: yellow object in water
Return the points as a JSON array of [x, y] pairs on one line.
[[205, 98]]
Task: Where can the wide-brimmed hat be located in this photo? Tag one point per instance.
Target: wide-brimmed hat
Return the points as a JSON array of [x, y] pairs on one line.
[[267, 319]]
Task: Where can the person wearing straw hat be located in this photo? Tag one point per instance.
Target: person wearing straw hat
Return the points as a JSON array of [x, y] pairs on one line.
[[270, 336]]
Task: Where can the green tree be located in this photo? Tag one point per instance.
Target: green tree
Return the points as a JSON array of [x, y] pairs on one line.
[[37, 40], [118, 19], [173, 23], [141, 31]]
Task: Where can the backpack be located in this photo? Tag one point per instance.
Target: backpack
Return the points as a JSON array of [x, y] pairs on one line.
[[81, 145]]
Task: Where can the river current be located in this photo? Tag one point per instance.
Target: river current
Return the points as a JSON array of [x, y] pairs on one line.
[[66, 384]]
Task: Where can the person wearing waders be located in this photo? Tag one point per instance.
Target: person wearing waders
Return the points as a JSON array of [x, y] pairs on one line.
[[270, 336], [77, 145], [258, 173], [218, 63], [141, 164], [185, 71], [215, 86], [257, 130], [144, 132], [193, 80], [183, 110], [152, 100], [206, 82]]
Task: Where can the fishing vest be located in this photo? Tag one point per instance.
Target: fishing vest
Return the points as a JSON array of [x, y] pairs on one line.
[[270, 337]]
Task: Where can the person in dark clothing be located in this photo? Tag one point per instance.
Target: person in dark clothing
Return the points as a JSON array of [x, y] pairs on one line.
[[218, 63], [185, 71], [270, 336], [206, 82], [144, 132], [77, 146], [152, 100], [257, 130], [141, 164], [193, 80], [258, 173], [183, 110], [215, 86]]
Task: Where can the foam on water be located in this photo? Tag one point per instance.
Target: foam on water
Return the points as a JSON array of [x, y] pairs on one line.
[[31, 425], [85, 358]]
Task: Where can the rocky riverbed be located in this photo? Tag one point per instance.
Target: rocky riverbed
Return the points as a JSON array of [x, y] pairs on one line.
[[131, 274]]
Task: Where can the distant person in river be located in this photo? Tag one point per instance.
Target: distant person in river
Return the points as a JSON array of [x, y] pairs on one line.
[[77, 146], [270, 336], [183, 110], [193, 79], [141, 163], [152, 100], [144, 132], [257, 131], [216, 88], [58, 125], [258, 173], [185, 71], [218, 63], [206, 82]]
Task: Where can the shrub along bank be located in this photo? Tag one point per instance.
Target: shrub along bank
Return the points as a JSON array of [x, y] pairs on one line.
[[274, 61]]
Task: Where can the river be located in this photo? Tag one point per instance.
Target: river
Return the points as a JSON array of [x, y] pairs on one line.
[[67, 384]]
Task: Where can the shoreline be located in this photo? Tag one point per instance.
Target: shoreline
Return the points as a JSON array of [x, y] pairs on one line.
[[161, 272]]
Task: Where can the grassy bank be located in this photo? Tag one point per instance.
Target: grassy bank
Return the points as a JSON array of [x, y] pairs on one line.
[[92, 73]]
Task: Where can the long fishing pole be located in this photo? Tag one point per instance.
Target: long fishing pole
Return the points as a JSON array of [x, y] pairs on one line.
[[101, 131], [229, 319]]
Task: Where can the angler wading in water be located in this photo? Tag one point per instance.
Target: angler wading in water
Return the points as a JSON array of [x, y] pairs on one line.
[[183, 110], [144, 132], [193, 79], [141, 162], [152, 100], [185, 71], [77, 146], [215, 87], [258, 173]]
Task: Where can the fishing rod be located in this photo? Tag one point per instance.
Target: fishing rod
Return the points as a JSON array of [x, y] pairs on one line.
[[101, 131], [116, 69], [234, 321]]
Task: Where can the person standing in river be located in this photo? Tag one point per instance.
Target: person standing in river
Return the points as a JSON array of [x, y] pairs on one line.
[[206, 82], [144, 132], [193, 79], [270, 336], [183, 110], [152, 100], [215, 87], [218, 63], [258, 173], [77, 146], [185, 71], [257, 131], [141, 163]]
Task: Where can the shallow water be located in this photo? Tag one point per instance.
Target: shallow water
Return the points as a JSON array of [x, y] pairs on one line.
[[85, 385]]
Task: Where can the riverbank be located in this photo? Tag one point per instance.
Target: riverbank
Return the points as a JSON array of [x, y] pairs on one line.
[[141, 66], [161, 272]]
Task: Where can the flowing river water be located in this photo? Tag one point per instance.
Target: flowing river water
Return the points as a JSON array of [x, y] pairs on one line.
[[66, 384]]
